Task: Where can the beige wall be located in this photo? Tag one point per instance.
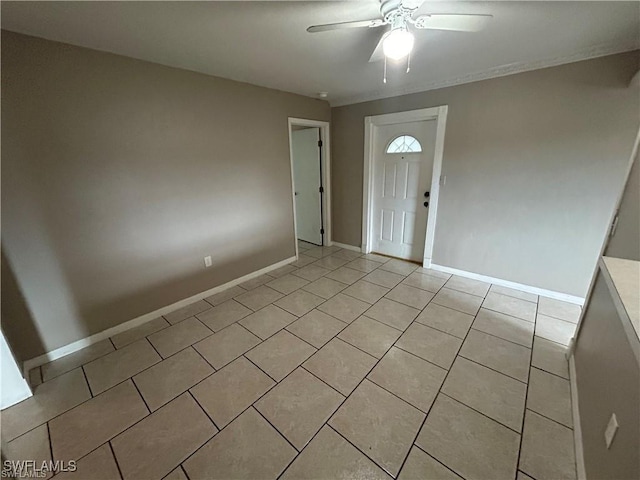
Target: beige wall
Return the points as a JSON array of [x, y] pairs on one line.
[[119, 176], [534, 163], [608, 381], [625, 243]]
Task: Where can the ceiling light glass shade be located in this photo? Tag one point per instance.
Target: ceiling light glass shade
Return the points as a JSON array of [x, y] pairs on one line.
[[398, 44]]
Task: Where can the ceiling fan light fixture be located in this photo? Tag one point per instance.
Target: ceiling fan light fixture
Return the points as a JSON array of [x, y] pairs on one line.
[[398, 43]]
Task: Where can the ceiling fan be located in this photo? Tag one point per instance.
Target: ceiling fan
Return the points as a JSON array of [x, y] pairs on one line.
[[397, 42]]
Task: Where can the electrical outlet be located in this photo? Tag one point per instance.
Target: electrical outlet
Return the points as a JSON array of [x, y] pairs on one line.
[[610, 432], [207, 261]]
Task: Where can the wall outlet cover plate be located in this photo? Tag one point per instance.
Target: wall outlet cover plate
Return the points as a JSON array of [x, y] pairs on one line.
[[610, 432]]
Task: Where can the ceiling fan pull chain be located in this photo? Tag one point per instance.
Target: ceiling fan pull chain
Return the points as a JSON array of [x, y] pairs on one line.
[[409, 62], [384, 75]]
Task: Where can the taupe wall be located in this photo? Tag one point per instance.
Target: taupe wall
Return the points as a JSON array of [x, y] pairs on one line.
[[625, 243], [534, 163], [119, 176], [608, 381]]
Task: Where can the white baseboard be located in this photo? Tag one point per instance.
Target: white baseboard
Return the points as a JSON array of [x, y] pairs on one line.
[[346, 247], [506, 283], [577, 429], [128, 325]]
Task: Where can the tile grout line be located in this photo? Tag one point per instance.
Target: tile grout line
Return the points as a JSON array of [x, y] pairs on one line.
[[550, 373], [86, 379], [517, 298], [566, 347], [492, 369], [484, 414], [249, 331], [155, 350], [397, 396], [367, 456], [326, 423], [142, 397], [50, 441], [501, 338], [440, 387], [356, 387], [92, 451], [239, 414], [115, 459], [147, 416], [82, 364], [323, 381], [359, 299], [183, 470], [145, 336], [204, 411], [423, 359], [455, 309], [361, 350], [253, 363], [466, 292], [386, 324], [438, 461], [203, 357], [556, 318], [317, 349], [278, 431], [508, 315], [439, 392], [548, 418], [526, 395]]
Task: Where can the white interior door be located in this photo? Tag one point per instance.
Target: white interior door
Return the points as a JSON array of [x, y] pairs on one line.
[[401, 181], [307, 182], [13, 388]]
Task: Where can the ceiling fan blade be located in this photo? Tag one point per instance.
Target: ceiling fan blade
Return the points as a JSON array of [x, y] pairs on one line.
[[378, 53], [338, 26], [459, 22], [412, 4]]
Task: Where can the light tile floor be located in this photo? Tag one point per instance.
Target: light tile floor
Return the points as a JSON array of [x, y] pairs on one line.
[[339, 365]]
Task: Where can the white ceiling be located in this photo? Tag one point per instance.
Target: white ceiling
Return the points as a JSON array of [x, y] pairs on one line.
[[266, 43]]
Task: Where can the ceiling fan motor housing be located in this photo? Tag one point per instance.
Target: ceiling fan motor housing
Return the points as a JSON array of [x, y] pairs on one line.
[[397, 13]]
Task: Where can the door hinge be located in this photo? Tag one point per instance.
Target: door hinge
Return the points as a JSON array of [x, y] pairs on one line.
[[319, 143], [322, 231], [614, 225], [321, 189]]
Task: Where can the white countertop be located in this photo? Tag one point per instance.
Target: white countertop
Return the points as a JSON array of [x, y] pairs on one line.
[[625, 275]]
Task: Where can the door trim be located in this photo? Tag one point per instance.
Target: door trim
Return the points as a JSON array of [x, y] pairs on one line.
[[435, 113], [325, 160]]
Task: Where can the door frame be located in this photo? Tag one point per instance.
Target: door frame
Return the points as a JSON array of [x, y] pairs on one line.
[[325, 162], [370, 123]]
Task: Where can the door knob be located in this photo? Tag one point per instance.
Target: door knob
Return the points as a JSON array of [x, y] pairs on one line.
[[426, 204], [426, 194]]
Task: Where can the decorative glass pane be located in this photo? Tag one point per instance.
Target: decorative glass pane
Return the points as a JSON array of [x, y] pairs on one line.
[[404, 144]]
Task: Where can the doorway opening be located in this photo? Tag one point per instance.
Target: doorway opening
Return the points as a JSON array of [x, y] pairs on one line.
[[402, 177], [310, 180]]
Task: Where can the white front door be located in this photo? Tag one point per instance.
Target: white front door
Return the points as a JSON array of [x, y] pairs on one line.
[[401, 182], [306, 178]]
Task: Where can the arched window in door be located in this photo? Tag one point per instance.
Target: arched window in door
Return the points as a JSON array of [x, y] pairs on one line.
[[404, 144]]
